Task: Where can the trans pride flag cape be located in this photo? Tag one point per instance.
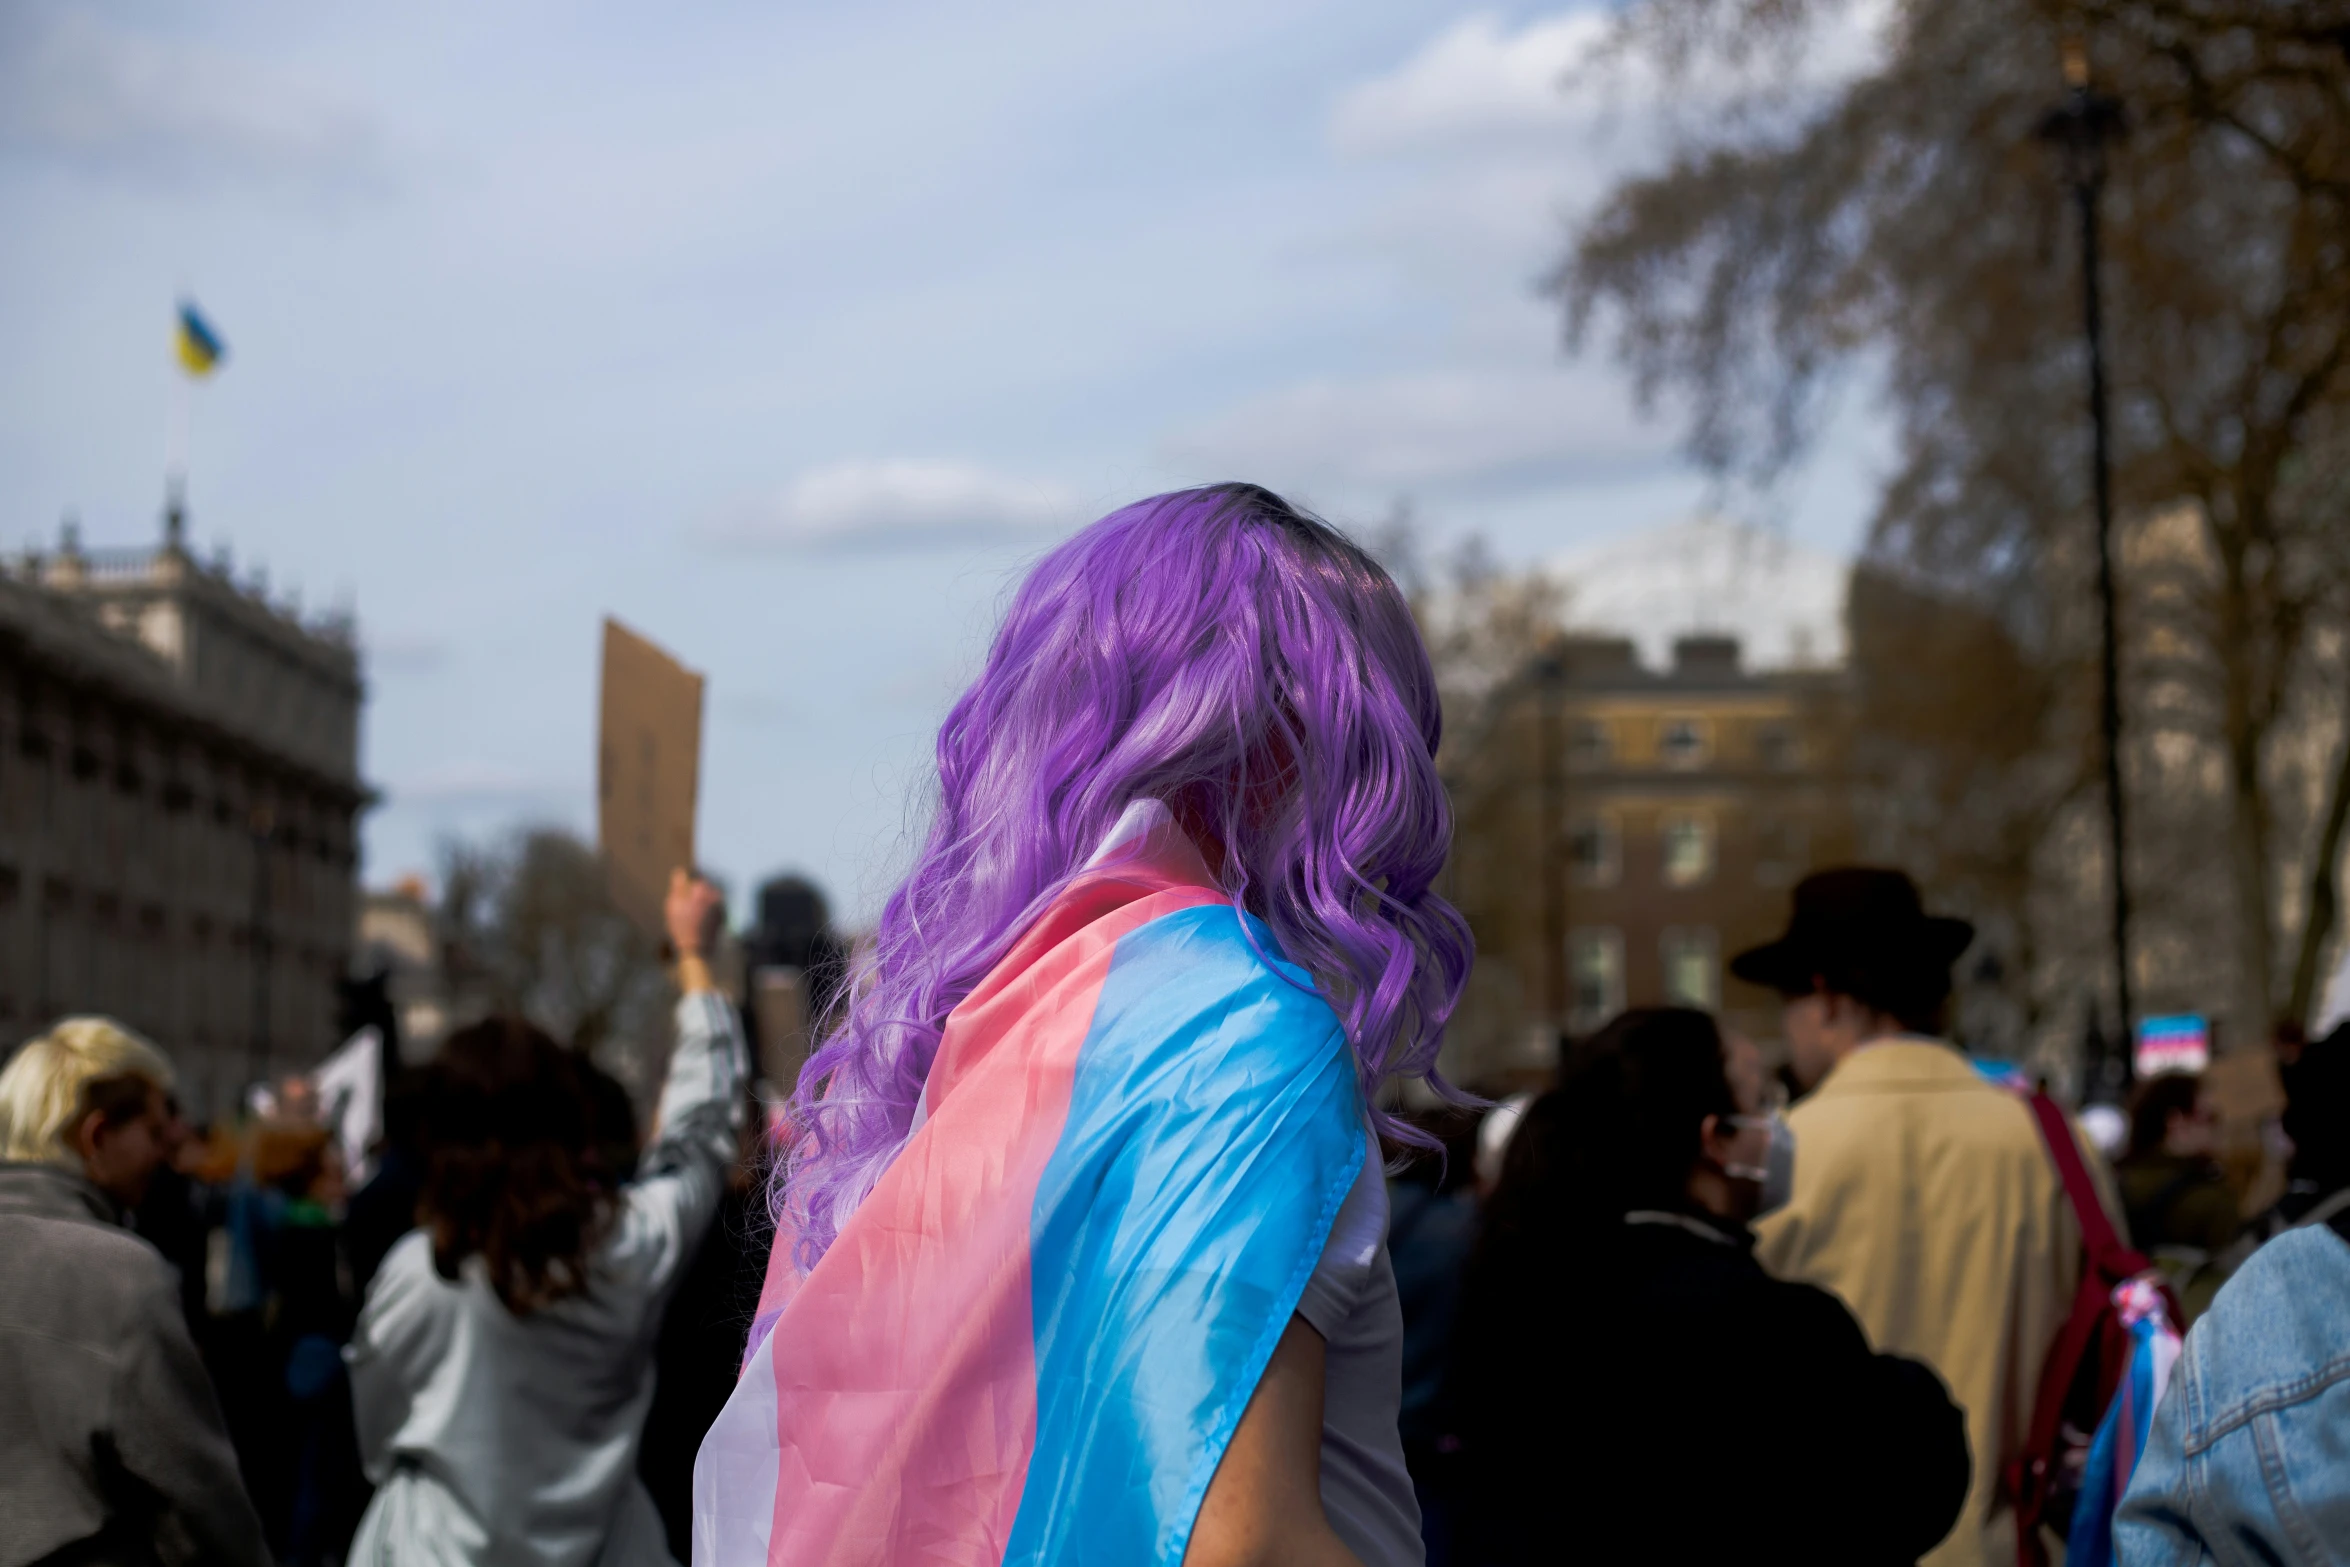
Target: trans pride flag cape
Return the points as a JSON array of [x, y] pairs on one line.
[[1032, 1341]]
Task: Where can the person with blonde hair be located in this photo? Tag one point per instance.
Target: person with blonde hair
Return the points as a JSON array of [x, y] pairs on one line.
[[114, 1449]]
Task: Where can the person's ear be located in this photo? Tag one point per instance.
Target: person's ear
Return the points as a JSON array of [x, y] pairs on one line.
[[83, 1136], [1713, 1138]]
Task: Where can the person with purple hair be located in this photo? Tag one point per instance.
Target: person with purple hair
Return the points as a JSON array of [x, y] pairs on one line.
[[1080, 1230]]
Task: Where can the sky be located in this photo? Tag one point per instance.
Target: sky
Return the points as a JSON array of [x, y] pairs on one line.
[[789, 334]]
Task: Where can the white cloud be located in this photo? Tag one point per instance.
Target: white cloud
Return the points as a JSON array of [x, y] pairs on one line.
[[898, 501], [1489, 141], [1782, 600], [1429, 427], [1553, 83], [1476, 79], [78, 91]]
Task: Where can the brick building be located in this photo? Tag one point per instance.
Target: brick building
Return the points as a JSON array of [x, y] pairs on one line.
[[1622, 830]]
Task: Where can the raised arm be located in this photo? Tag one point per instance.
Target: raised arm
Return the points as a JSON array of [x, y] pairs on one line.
[[696, 1140]]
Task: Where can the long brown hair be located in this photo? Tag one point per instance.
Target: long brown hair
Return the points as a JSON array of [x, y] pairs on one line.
[[514, 1175]]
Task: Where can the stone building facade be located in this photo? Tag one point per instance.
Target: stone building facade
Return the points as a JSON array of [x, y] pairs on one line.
[[1622, 831], [179, 795]]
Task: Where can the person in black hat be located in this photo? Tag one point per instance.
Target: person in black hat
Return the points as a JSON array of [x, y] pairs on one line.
[[1861, 961], [1922, 1194]]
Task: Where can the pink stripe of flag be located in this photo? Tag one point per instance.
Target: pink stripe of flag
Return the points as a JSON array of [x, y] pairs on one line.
[[905, 1363]]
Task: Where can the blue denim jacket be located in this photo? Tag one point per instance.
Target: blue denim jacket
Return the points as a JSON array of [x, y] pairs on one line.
[[2249, 1458]]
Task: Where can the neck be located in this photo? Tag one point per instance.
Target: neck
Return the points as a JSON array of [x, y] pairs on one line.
[[1203, 835], [121, 1204], [1874, 1028], [1715, 1193]]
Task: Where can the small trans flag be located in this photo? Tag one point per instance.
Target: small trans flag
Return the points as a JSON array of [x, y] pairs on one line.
[[2121, 1435]]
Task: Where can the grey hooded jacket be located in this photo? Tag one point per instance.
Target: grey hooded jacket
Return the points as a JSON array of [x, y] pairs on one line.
[[112, 1448]]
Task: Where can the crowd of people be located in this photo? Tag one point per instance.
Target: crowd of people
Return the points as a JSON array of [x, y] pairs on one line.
[[1924, 1252], [259, 1366], [1094, 1231]]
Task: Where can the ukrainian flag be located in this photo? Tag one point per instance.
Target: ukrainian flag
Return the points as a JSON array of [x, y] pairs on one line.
[[200, 348]]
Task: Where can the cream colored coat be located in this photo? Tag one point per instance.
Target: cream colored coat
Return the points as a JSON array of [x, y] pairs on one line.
[[1924, 1198]]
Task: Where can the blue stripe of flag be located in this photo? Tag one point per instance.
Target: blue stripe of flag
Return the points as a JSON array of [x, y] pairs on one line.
[[1214, 1129]]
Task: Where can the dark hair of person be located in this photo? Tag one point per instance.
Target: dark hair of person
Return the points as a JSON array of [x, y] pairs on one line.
[[513, 1175], [2317, 1111], [118, 1099], [406, 1093], [1914, 994], [1620, 1131], [1449, 1162], [612, 1146], [2152, 1105]]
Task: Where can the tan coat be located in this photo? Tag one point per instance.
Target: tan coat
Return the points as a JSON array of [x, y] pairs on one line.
[[1924, 1198]]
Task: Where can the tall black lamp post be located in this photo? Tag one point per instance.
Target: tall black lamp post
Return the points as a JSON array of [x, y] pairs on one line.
[[1558, 971], [2079, 128]]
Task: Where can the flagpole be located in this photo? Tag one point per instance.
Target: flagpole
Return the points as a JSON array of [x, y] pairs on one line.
[[199, 351], [177, 432]]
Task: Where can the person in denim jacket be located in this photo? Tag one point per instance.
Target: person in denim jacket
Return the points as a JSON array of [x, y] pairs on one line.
[[2249, 1458]]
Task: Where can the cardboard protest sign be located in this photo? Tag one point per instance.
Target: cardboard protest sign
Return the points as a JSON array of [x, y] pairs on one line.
[[648, 771]]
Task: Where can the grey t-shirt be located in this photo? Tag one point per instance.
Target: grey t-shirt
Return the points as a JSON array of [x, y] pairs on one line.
[[1351, 1302]]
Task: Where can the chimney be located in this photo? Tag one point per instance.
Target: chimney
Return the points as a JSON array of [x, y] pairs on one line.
[[1588, 657], [1706, 657]]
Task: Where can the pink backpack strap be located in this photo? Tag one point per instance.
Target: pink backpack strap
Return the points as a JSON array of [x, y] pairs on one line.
[[2109, 1262], [2064, 1151]]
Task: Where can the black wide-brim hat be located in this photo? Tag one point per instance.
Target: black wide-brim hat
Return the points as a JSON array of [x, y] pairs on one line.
[[1858, 917]]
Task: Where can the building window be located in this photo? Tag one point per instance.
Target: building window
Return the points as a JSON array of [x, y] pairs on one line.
[[1588, 747], [1776, 748], [1595, 975], [1681, 742], [1688, 850], [1693, 968], [1595, 851]]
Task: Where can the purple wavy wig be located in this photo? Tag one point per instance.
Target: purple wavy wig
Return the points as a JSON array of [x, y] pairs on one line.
[[1236, 658]]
